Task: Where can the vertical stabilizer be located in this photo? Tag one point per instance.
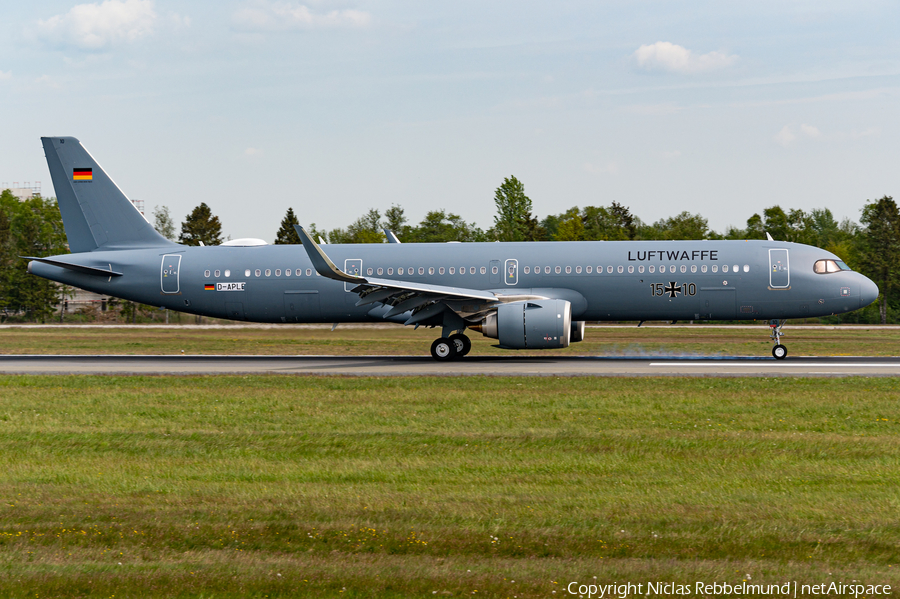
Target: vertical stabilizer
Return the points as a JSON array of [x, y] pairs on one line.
[[95, 212]]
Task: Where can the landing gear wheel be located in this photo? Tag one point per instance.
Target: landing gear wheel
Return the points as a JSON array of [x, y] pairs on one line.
[[779, 352], [463, 345], [443, 350]]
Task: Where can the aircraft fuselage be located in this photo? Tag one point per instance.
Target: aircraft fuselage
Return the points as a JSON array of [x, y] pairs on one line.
[[603, 280]]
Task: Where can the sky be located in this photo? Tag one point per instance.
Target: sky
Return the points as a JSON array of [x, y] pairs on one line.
[[720, 108]]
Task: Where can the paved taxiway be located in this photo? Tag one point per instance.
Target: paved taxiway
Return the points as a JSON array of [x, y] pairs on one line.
[[472, 365]]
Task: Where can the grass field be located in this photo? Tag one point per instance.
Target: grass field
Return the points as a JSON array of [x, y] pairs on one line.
[[397, 340], [395, 487]]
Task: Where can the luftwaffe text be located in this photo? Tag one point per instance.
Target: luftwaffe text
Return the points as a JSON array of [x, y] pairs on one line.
[[673, 255]]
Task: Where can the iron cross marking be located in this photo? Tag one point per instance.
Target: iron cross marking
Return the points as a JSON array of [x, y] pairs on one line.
[[672, 290]]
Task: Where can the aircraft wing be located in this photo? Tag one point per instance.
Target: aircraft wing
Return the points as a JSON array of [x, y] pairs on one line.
[[424, 299]]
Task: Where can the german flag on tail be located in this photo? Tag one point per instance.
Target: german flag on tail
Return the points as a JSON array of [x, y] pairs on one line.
[[83, 174]]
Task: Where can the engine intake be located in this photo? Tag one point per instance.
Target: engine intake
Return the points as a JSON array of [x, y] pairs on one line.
[[533, 324]]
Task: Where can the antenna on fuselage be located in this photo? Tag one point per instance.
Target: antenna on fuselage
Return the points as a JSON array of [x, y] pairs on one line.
[[769, 237]]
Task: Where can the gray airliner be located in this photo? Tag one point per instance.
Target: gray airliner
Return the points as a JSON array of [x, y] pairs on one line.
[[530, 295]]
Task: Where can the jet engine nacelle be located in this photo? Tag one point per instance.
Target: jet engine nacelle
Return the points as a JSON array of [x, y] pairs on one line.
[[532, 324]]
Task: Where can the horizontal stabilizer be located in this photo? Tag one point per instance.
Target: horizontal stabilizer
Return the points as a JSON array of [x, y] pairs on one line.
[[88, 270]]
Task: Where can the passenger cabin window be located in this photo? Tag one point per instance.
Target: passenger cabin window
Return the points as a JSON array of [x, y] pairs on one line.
[[278, 272], [441, 270], [651, 268], [589, 269], [494, 270], [380, 271], [308, 272], [258, 272], [218, 272], [526, 270], [369, 271], [390, 271], [577, 270], [641, 268], [400, 271], [471, 270], [268, 272], [546, 270], [724, 268], [287, 272], [483, 270], [825, 266], [227, 273], [247, 273], [205, 273], [703, 268], [630, 268], [452, 270], [558, 270], [422, 270], [620, 269]]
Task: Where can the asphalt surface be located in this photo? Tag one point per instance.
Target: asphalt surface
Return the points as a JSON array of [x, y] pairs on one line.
[[471, 365]]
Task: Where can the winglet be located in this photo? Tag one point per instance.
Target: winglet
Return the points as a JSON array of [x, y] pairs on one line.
[[323, 264], [391, 236]]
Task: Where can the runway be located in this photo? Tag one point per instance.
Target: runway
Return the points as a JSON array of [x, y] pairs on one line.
[[469, 366]]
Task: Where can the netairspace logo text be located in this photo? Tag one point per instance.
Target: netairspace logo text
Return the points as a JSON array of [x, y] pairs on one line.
[[624, 590]]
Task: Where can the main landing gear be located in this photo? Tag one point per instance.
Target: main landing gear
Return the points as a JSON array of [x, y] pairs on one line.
[[450, 348], [779, 352]]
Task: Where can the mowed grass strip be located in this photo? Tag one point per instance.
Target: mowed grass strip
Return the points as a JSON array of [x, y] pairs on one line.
[[648, 340], [363, 487]]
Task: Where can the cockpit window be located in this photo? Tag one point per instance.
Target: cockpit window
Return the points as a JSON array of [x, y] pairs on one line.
[[828, 266]]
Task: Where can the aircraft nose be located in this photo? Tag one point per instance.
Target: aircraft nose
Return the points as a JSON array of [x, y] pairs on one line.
[[868, 292]]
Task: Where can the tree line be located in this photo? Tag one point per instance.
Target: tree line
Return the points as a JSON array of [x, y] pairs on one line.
[[871, 246]]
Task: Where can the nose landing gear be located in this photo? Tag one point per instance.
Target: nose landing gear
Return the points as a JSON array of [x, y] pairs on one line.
[[779, 352]]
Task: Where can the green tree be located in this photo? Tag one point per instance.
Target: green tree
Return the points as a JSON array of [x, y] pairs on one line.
[[440, 227], [32, 227], [880, 248], [365, 229], [569, 226], [201, 226], [395, 220], [681, 226], [613, 223], [163, 223], [287, 234], [514, 221]]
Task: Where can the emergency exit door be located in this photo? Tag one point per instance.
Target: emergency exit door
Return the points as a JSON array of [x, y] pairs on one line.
[[169, 275], [779, 269]]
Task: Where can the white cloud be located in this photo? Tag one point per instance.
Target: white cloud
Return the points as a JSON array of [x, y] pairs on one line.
[[252, 152], [810, 131], [869, 132], [97, 26], [789, 134], [785, 136], [666, 56], [610, 168], [263, 15]]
